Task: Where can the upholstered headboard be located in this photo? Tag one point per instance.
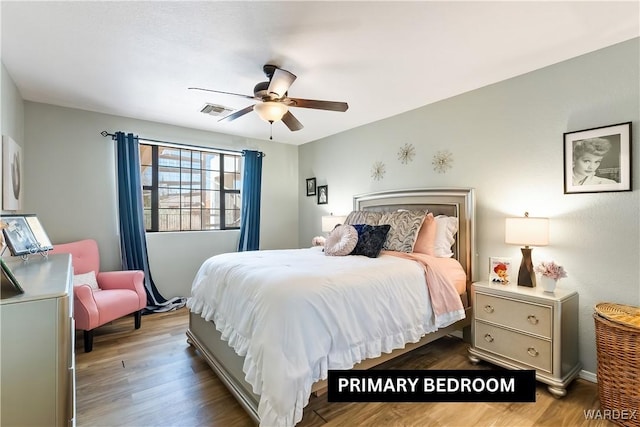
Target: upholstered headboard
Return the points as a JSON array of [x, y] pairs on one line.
[[458, 202]]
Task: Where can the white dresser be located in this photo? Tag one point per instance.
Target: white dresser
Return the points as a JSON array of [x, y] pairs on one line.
[[37, 353], [518, 327]]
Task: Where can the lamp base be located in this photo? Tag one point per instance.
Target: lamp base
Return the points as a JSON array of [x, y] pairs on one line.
[[526, 275]]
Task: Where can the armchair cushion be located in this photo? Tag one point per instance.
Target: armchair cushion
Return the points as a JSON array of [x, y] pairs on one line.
[[86, 279], [84, 255]]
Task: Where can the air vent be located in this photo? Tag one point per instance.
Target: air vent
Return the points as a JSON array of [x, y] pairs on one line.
[[216, 110]]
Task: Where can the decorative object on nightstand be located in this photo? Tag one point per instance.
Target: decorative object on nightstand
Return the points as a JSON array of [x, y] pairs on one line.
[[550, 273], [500, 270], [523, 328], [526, 231]]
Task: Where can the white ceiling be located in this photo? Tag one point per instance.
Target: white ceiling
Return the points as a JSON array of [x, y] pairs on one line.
[[136, 59]]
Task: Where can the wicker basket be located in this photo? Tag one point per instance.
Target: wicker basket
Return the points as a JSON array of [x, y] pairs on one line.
[[618, 349]]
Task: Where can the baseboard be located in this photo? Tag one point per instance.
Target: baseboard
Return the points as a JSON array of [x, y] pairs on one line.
[[589, 376]]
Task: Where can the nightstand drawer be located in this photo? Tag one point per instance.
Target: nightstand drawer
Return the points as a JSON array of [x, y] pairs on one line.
[[526, 349], [531, 318]]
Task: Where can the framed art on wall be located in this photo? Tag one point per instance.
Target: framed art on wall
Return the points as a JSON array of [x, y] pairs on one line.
[[598, 160], [311, 186], [323, 195], [500, 270], [11, 174]]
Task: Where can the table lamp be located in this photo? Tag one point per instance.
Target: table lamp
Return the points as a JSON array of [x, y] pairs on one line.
[[329, 222], [526, 231]]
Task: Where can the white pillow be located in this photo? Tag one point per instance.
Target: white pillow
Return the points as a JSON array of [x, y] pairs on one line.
[[446, 229], [342, 240], [86, 279]]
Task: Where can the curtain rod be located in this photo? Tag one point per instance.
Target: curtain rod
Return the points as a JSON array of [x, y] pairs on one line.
[[180, 144]]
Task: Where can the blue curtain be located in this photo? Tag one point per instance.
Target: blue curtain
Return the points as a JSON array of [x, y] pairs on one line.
[[251, 189], [133, 242]]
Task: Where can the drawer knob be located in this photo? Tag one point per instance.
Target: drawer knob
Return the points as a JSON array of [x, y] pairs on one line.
[[488, 338], [488, 309], [533, 319], [532, 352]]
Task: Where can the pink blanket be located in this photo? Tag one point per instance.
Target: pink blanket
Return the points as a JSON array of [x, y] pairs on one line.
[[446, 281]]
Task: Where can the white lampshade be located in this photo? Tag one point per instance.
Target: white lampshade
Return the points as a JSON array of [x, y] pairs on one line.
[[527, 231], [329, 222], [271, 111]]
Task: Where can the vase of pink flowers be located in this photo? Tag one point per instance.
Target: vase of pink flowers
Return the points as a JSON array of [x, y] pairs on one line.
[[550, 273]]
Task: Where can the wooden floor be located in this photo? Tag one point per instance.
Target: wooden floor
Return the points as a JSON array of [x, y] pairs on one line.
[[152, 377]]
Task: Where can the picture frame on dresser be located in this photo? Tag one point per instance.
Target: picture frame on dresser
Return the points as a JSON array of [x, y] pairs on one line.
[[25, 235], [598, 160], [8, 277]]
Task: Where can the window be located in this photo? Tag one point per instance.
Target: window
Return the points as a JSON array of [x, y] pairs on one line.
[[189, 189]]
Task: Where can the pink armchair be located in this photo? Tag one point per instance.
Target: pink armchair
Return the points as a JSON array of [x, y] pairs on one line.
[[121, 292]]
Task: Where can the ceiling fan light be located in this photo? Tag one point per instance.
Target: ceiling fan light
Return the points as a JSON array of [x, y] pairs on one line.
[[271, 111]]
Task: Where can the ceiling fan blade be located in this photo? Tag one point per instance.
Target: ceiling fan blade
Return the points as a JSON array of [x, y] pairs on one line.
[[280, 82], [237, 114], [292, 123], [225, 93], [318, 105]]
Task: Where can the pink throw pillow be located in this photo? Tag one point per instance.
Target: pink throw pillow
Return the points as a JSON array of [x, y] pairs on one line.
[[426, 239]]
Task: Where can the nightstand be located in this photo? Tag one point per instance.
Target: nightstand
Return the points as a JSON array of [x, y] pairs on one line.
[[518, 327]]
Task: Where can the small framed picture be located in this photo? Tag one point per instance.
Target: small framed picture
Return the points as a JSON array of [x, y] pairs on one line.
[[37, 229], [311, 186], [323, 195], [20, 237], [500, 270], [7, 275], [598, 160]]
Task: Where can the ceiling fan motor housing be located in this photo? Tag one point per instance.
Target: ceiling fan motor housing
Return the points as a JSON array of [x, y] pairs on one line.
[[261, 90]]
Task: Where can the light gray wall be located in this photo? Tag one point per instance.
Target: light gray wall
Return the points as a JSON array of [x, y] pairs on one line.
[[70, 180], [507, 143], [12, 121]]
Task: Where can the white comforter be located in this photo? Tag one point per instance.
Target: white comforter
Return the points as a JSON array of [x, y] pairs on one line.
[[294, 314]]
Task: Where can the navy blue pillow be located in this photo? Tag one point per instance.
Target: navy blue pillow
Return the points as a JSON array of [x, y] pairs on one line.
[[370, 239]]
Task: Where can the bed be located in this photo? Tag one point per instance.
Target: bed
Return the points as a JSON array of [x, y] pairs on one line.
[[241, 353]]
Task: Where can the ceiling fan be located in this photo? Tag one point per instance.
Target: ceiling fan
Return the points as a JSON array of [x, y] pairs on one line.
[[273, 103]]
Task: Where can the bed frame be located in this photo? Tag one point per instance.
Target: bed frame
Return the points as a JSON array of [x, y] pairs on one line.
[[457, 202]]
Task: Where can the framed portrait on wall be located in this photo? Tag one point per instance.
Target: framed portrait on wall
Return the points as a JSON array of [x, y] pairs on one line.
[[598, 160], [311, 186], [323, 195]]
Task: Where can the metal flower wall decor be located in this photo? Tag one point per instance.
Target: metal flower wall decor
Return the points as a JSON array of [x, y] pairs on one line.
[[406, 153], [378, 170], [442, 161]]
